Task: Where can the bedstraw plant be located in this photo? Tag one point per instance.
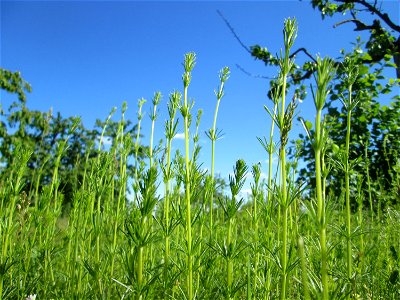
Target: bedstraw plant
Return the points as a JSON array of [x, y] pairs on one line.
[[156, 226], [283, 118], [214, 134], [324, 75], [185, 108]]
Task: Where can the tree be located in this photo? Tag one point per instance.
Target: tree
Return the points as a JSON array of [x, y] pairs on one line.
[[42, 132]]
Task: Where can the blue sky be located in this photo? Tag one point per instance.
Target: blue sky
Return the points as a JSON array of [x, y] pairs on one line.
[[84, 57]]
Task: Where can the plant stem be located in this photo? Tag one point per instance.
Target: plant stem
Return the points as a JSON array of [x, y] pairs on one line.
[[230, 262], [137, 145], [306, 292], [347, 182], [321, 205], [170, 131], [289, 36], [213, 135], [324, 76], [153, 117], [185, 109]]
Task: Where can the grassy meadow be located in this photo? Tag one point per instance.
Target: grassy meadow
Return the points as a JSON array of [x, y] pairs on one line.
[[179, 237]]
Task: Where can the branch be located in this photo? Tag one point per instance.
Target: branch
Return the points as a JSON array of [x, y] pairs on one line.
[[372, 8], [305, 52], [233, 31], [384, 16], [360, 26], [252, 75]]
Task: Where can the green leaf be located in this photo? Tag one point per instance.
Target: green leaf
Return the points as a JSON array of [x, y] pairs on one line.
[[363, 70], [388, 57], [308, 125], [367, 57]]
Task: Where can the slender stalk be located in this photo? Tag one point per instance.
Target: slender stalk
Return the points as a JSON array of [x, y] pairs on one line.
[[122, 188], [306, 292], [137, 145], [324, 76], [170, 132], [255, 188], [285, 116], [194, 174], [230, 261], [360, 224], [231, 207], [213, 135], [271, 150], [347, 193], [188, 205], [321, 206], [189, 63], [153, 117], [140, 272], [368, 181], [350, 76], [269, 146]]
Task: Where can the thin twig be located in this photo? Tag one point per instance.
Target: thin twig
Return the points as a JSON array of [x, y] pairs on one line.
[[233, 31], [305, 52], [250, 74], [373, 9]]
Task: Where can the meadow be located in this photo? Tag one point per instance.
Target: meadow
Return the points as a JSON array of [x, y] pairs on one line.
[[180, 237]]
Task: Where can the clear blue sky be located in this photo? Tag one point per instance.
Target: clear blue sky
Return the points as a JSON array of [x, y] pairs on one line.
[[84, 57]]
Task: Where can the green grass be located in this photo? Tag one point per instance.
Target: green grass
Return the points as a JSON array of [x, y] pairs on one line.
[[185, 241]]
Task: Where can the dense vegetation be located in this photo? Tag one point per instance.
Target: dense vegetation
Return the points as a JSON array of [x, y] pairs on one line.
[[376, 137], [332, 235]]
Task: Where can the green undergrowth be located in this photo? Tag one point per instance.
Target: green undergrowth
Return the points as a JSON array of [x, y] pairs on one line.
[[164, 232]]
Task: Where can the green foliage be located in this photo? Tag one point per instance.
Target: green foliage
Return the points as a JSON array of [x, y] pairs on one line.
[[371, 129], [160, 247], [12, 82], [42, 132], [382, 43], [372, 124]]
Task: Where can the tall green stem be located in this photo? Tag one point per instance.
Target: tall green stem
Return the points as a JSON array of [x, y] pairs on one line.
[[284, 207], [230, 262], [271, 150], [137, 145], [347, 183], [285, 121], [213, 135], [170, 131], [256, 171], [188, 205], [189, 63], [325, 71], [321, 205], [153, 117], [350, 76]]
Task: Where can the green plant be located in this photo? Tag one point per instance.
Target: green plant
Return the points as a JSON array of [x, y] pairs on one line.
[[325, 71], [112, 244], [213, 134], [185, 108]]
